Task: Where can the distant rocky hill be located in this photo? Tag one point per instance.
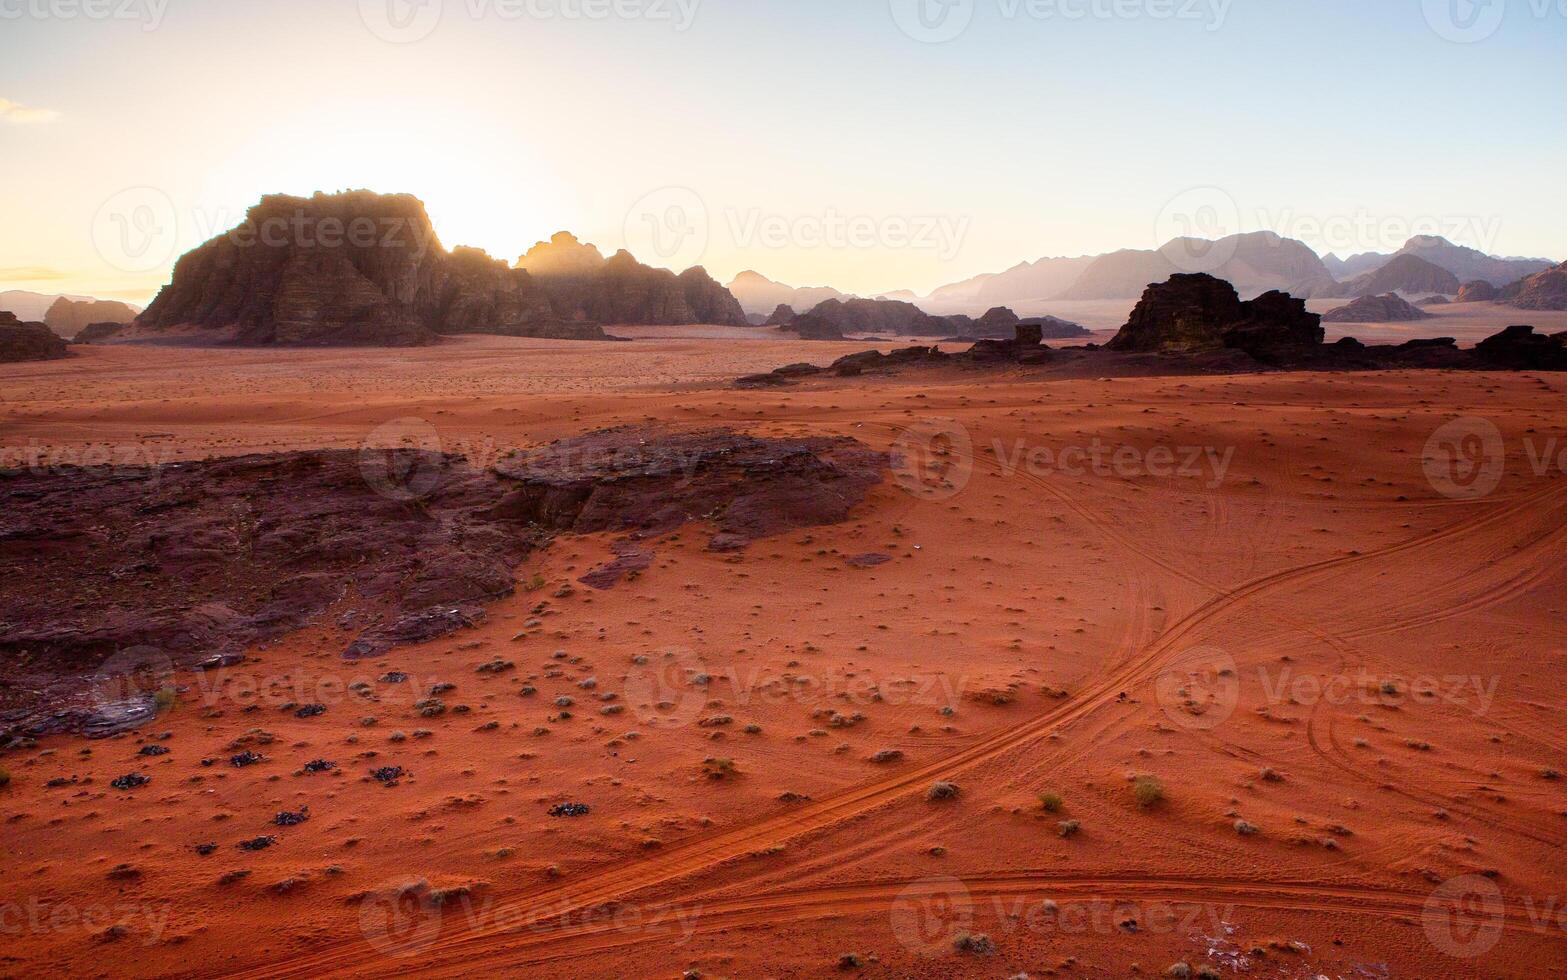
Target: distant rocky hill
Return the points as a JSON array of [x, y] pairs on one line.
[[1478, 291], [1469, 264], [68, 317], [31, 306], [1356, 265], [759, 294], [878, 316], [1254, 262], [1389, 308], [1545, 290], [1405, 274], [1024, 282]]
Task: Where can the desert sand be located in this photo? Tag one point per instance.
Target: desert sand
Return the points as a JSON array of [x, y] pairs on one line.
[[1345, 681]]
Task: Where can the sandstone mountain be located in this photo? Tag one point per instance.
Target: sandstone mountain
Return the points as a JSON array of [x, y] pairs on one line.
[[31, 306], [880, 316], [1545, 290], [68, 317], [1356, 265], [759, 294], [1025, 282], [1404, 274], [620, 289], [28, 341], [782, 316], [1194, 312], [1469, 264], [1389, 308], [365, 268]]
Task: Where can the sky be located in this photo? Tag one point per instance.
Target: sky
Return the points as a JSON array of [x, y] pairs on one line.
[[871, 145]]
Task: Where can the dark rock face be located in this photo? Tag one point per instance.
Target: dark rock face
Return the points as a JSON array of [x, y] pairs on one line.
[[998, 322], [1404, 273], [1478, 291], [782, 316], [1433, 301], [1376, 309], [880, 316], [28, 341], [1196, 312], [69, 317], [1544, 290], [364, 268], [1055, 328], [812, 326], [582, 285], [1519, 348], [97, 333], [132, 572]]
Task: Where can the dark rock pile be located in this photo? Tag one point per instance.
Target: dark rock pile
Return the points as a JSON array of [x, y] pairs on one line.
[[1197, 312], [28, 341], [1389, 308]]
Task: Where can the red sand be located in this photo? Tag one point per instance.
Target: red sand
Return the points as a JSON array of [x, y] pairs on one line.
[[1098, 609]]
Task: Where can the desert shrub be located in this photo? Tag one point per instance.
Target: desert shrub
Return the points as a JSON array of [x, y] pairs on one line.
[[975, 944], [941, 791], [1245, 829], [1147, 790], [1052, 802], [5, 778], [1069, 828]]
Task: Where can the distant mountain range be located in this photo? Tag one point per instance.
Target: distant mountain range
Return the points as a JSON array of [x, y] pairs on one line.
[[1254, 262], [65, 313]]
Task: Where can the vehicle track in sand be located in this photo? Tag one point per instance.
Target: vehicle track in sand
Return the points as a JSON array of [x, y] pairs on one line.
[[705, 853]]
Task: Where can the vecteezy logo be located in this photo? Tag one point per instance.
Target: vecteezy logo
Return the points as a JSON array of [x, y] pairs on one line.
[[668, 227], [1195, 229], [933, 459], [401, 21], [1200, 690], [136, 230], [1465, 459], [932, 21], [402, 459], [669, 690], [1464, 916], [1465, 21], [400, 921], [930, 913]]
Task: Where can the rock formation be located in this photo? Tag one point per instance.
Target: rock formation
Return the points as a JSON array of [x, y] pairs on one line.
[[365, 268], [813, 326], [97, 333], [21, 341], [1544, 290], [68, 317], [1519, 348], [1477, 291], [1195, 312], [880, 316], [998, 322], [1390, 308], [1435, 299], [782, 316], [1404, 273]]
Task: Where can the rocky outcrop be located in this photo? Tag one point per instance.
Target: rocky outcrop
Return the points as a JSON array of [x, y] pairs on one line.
[[997, 322], [364, 268], [1469, 264], [582, 285], [1195, 312], [1477, 291], [69, 317], [813, 326], [1543, 291], [1390, 308], [1254, 262], [134, 572], [1433, 300], [97, 333], [881, 316], [782, 316], [21, 341], [1404, 273], [1519, 348]]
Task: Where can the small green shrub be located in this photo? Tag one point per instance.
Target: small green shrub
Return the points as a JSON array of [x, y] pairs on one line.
[[1052, 802], [1148, 791]]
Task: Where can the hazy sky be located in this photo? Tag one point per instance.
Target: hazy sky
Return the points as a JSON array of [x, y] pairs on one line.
[[845, 142]]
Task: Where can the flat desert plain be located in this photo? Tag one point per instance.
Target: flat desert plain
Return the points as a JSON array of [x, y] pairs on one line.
[[1221, 671]]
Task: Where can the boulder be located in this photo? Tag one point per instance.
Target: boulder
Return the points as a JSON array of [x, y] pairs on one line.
[[1195, 312], [21, 341], [1390, 308]]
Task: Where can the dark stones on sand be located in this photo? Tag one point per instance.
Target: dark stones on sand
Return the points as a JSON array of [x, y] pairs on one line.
[[310, 711], [245, 759], [153, 750], [130, 781], [257, 843], [387, 775], [570, 810], [289, 818]]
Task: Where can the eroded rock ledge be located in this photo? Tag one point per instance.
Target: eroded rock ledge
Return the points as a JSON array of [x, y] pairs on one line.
[[147, 569]]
